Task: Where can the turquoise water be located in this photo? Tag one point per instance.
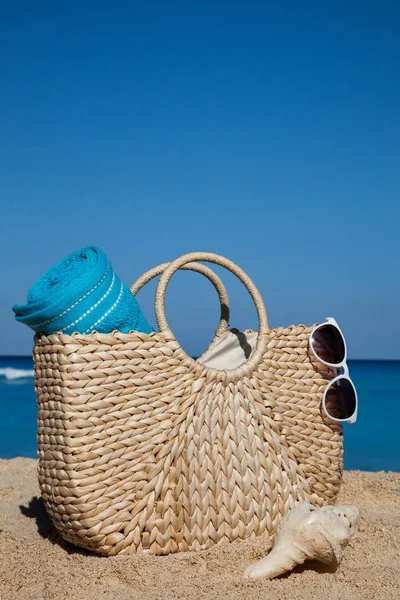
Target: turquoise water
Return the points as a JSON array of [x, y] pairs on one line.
[[372, 444]]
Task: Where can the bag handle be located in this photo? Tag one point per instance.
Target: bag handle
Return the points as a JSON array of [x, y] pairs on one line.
[[179, 263], [199, 268]]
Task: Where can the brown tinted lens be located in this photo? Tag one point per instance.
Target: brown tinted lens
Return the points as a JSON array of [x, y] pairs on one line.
[[328, 344], [340, 399]]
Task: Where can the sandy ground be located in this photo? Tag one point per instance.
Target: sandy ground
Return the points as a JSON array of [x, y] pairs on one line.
[[37, 564]]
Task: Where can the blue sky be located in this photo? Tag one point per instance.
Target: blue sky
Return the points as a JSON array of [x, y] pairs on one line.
[[266, 132]]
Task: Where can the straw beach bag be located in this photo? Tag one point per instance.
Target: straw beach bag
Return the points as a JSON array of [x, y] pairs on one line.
[[144, 449]]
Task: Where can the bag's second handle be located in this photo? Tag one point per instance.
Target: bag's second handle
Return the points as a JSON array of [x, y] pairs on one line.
[[199, 268], [177, 264]]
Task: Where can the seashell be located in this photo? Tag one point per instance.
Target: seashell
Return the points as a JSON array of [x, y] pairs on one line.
[[307, 533]]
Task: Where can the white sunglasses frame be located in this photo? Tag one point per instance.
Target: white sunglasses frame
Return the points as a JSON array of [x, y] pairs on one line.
[[342, 365]]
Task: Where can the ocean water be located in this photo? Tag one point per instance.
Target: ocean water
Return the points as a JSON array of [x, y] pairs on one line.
[[371, 444]]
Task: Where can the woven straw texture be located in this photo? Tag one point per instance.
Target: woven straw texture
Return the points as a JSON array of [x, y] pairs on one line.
[[143, 449]]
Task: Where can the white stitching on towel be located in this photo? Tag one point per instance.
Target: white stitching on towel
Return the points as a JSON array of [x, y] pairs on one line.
[[77, 302], [92, 307], [109, 310]]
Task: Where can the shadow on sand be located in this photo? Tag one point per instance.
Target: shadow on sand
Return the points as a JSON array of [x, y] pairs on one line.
[[37, 510]]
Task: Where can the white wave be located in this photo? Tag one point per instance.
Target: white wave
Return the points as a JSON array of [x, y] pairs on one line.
[[11, 373]]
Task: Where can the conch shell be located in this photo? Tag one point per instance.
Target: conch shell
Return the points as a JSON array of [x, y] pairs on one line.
[[307, 533]]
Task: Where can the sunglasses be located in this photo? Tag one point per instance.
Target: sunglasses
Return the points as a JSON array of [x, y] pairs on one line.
[[340, 402]]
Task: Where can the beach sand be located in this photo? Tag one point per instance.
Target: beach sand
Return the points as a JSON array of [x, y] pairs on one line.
[[37, 564]]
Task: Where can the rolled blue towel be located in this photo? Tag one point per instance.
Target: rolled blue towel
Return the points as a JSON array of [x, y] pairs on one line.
[[82, 293]]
